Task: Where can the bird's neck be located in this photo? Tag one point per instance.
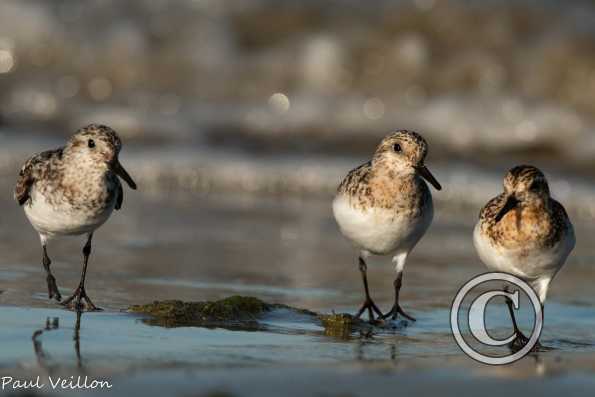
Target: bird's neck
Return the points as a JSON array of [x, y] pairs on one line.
[[537, 203], [531, 220], [393, 175], [83, 170], [392, 187]]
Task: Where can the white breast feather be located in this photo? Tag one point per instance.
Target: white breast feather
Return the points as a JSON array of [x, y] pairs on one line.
[[380, 231], [63, 220]]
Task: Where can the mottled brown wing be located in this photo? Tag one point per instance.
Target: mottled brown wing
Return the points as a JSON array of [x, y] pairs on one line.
[[491, 209], [351, 181], [31, 170], [120, 197], [560, 215], [24, 182]]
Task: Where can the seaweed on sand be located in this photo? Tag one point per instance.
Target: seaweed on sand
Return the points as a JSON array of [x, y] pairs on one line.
[[242, 312], [231, 311], [343, 325]]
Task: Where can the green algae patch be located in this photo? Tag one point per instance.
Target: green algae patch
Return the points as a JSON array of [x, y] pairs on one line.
[[343, 325], [243, 312], [234, 308], [232, 311]]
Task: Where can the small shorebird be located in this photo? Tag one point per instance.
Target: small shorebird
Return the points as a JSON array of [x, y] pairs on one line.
[[73, 191], [526, 233], [384, 207]]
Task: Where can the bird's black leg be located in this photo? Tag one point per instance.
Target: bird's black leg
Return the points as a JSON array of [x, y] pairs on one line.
[[521, 340], [51, 280], [396, 309], [76, 300], [368, 303]]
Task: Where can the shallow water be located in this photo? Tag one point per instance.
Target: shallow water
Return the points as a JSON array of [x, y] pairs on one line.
[[281, 250]]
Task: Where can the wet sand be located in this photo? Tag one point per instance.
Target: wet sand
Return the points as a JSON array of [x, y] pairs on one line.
[[193, 247]]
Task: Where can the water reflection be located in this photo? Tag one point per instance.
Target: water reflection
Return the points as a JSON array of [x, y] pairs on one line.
[[52, 324], [77, 339], [366, 350], [535, 365]]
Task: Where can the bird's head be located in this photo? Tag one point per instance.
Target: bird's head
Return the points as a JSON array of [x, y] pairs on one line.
[[101, 145], [405, 151]]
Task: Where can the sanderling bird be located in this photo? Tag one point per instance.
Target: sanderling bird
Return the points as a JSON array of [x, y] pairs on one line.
[[73, 191], [384, 207], [526, 233]]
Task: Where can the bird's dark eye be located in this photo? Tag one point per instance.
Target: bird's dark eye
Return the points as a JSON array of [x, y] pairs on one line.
[[397, 148], [91, 143]]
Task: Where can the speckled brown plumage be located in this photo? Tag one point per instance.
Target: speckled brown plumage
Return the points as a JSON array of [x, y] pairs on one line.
[[51, 173], [375, 187], [102, 132], [384, 207], [415, 147], [537, 221], [72, 191], [381, 182], [525, 233], [35, 168]]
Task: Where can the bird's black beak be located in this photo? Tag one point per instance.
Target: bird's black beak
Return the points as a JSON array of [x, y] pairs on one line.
[[511, 203], [121, 172], [427, 175]]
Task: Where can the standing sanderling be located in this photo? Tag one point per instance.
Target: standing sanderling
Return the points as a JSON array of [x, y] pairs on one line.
[[384, 207], [72, 191], [526, 233]]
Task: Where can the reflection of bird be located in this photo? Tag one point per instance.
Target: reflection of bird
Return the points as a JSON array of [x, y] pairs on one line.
[[524, 232], [77, 339], [72, 191], [50, 326], [384, 207], [37, 348]]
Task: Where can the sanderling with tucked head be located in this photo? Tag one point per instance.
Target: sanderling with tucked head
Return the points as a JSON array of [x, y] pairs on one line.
[[526, 233], [384, 207], [72, 191]]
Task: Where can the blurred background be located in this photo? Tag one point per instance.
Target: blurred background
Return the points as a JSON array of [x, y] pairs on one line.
[[278, 96]]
